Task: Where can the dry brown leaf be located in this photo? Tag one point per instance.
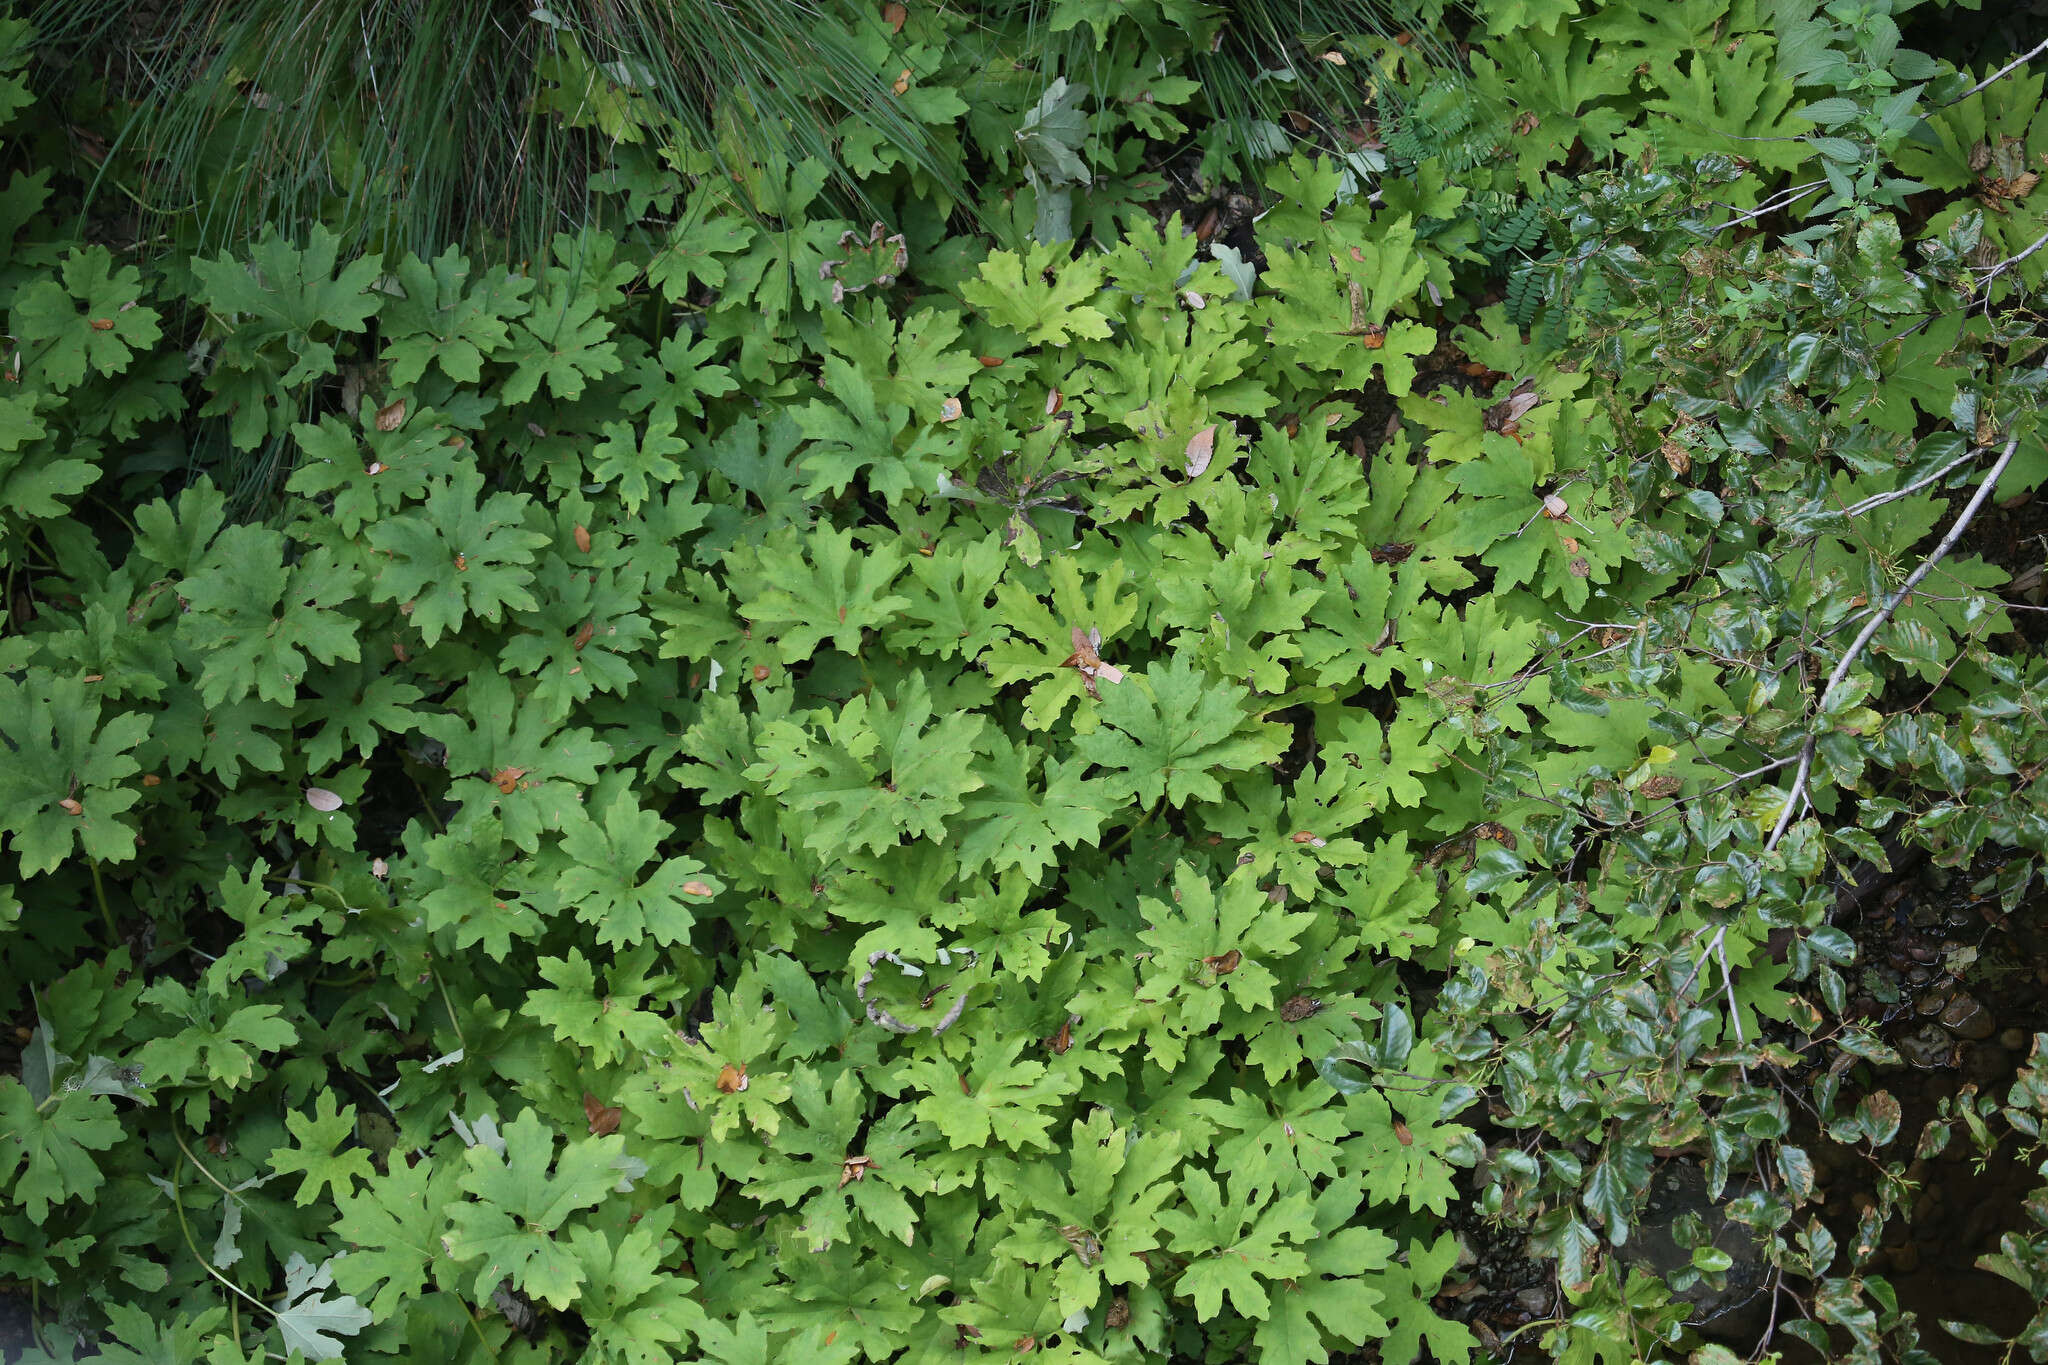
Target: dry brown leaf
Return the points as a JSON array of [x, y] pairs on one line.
[[582, 534], [391, 416], [696, 888], [1201, 450], [1223, 964], [732, 1079], [894, 15], [151, 780], [902, 85], [1296, 1008], [507, 778], [949, 411], [103, 324], [603, 1118], [74, 807]]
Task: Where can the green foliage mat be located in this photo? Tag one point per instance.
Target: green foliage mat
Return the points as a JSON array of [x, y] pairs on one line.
[[771, 787]]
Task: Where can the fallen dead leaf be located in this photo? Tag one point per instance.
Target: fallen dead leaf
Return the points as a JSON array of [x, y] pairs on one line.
[[603, 1118], [1201, 450], [391, 416]]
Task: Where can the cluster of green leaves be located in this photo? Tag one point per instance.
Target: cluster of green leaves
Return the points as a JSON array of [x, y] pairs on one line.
[[776, 785], [419, 129]]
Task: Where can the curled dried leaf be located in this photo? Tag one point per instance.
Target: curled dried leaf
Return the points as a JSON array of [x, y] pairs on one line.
[[1556, 508], [507, 778], [732, 1078], [319, 798], [949, 411], [697, 888], [1201, 450], [391, 416], [73, 806], [602, 1118], [582, 534], [894, 15], [1296, 1008], [1223, 964], [1087, 1246]]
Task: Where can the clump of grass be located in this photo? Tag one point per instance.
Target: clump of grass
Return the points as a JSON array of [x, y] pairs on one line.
[[409, 124]]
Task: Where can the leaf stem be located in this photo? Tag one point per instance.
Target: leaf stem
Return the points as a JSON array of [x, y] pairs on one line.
[[427, 805], [449, 1005], [99, 891], [1142, 821], [178, 1201]]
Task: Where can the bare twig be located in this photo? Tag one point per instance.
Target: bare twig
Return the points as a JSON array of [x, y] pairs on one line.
[[1795, 799], [1880, 499], [1784, 199], [2001, 73], [1993, 272], [1797, 794]]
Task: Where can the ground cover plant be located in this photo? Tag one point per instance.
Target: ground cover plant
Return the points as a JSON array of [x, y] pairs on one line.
[[1069, 743]]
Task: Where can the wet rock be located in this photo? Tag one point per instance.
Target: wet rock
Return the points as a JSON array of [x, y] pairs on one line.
[[1986, 1065], [17, 1330], [1929, 1047], [1535, 1301], [1965, 1018], [1736, 1310]]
